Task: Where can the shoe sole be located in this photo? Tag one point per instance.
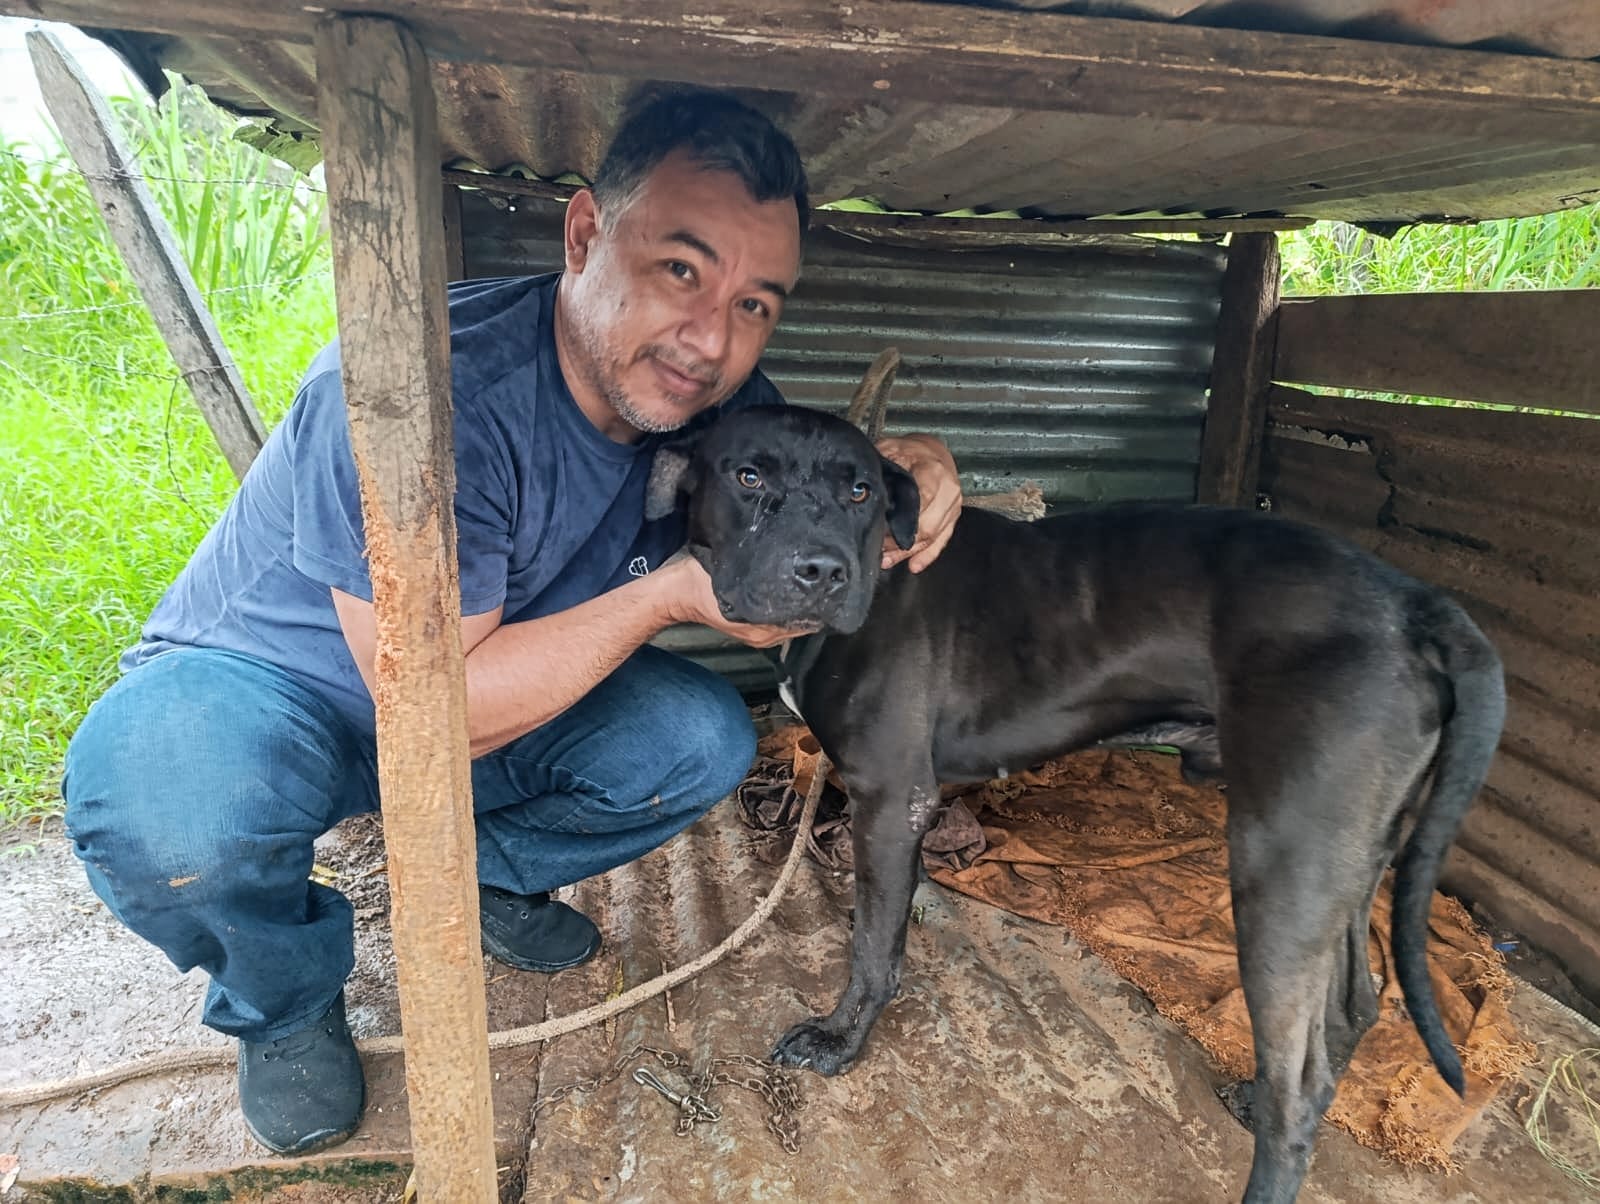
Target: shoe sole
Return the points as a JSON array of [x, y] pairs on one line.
[[312, 1143], [501, 954]]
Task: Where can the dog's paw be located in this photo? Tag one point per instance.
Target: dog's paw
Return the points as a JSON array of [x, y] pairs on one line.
[[810, 1046], [1240, 1099]]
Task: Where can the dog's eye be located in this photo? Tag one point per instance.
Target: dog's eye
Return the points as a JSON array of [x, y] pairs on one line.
[[749, 478], [860, 491]]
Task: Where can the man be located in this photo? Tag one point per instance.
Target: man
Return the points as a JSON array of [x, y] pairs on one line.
[[242, 727]]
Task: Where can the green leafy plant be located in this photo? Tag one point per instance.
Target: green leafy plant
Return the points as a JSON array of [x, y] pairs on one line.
[[110, 474]]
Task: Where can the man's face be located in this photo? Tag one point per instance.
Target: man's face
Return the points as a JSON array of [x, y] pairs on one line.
[[669, 301]]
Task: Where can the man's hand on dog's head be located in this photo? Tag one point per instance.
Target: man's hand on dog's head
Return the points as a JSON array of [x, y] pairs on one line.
[[690, 599], [933, 468]]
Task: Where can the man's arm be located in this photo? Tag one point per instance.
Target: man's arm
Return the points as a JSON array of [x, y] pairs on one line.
[[522, 675]]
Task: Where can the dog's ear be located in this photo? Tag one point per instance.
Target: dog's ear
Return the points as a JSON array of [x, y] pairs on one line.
[[903, 504], [670, 478]]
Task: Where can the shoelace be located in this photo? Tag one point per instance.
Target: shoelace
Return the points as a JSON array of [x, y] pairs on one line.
[[297, 1043]]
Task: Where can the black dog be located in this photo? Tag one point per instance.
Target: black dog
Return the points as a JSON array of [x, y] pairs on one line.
[[1328, 686]]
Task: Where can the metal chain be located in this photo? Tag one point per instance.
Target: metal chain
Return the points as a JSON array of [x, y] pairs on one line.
[[778, 1090]]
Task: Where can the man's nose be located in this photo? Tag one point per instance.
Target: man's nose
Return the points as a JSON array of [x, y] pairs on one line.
[[706, 330]]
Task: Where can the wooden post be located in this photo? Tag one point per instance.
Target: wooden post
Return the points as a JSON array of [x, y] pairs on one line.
[[150, 251], [1241, 373], [455, 267], [375, 106]]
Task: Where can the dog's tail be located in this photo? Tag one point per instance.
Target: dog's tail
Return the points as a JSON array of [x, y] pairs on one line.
[[1475, 714]]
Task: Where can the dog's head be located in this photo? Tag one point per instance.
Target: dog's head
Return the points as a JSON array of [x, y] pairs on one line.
[[787, 509]]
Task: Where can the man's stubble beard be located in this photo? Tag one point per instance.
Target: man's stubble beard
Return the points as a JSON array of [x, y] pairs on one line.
[[605, 371]]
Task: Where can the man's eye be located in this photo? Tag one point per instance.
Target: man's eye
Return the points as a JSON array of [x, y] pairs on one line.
[[749, 478], [756, 306], [680, 269], [860, 491]]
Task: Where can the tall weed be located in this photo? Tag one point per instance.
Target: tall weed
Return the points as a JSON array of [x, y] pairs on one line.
[[1555, 250], [111, 476]]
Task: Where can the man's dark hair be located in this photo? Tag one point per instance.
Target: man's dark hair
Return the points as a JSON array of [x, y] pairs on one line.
[[718, 133]]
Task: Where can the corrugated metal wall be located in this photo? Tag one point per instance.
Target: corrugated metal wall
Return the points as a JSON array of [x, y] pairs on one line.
[[1502, 509], [1083, 369]]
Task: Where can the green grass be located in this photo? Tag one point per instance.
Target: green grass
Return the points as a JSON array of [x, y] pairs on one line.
[[111, 475], [1557, 250]]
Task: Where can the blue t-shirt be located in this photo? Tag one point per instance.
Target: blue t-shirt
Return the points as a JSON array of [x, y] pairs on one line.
[[549, 511]]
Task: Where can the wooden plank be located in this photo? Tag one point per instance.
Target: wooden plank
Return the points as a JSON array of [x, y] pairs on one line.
[[847, 219], [919, 51], [454, 249], [1241, 373], [1518, 348], [376, 102], [150, 250], [1570, 445]]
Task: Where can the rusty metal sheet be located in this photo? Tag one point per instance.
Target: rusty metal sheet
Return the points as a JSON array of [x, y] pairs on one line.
[[1560, 28], [934, 158], [1014, 1065], [1499, 509], [1081, 369]]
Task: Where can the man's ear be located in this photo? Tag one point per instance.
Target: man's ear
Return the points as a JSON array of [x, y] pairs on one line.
[[580, 226], [670, 478], [904, 505]]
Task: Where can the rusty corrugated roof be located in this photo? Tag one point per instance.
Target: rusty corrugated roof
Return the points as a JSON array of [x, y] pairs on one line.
[[922, 157]]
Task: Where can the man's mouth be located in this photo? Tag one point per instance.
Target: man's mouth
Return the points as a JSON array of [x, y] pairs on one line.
[[676, 381]]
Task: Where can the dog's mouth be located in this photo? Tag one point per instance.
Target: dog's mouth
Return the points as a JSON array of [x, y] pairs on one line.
[[806, 591], [747, 611]]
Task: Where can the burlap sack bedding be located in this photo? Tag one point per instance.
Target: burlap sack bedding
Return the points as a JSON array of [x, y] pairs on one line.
[[1115, 847]]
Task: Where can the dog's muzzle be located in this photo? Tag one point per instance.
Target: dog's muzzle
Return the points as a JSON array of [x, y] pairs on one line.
[[813, 587]]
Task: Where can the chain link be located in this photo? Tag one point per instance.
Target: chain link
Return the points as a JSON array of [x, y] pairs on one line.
[[778, 1091]]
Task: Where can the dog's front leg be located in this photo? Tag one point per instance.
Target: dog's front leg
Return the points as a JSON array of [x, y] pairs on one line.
[[889, 824]]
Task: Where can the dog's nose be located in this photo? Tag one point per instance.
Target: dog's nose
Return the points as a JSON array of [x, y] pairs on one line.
[[820, 572]]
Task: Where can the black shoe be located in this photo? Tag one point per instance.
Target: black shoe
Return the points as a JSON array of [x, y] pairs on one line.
[[533, 932], [304, 1092]]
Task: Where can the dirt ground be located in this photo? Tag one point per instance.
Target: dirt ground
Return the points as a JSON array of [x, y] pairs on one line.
[[1014, 1063]]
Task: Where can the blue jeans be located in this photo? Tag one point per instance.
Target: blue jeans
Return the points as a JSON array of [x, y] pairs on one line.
[[196, 786]]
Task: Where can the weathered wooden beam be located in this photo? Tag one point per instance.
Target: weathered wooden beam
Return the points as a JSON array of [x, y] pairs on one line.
[[454, 250], [150, 250], [1525, 348], [849, 219], [931, 52], [375, 100], [1241, 373], [844, 219]]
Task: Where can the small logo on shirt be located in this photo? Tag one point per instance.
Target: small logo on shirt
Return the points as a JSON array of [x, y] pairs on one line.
[[638, 566]]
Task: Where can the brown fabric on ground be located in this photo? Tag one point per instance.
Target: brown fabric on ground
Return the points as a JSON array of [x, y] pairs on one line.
[[1114, 846]]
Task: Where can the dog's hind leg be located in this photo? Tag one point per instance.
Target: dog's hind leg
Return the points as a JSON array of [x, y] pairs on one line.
[[1292, 937], [1352, 1006], [891, 815], [1309, 836]]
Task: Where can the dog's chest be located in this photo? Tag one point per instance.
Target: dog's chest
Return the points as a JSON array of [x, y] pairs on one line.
[[786, 682]]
